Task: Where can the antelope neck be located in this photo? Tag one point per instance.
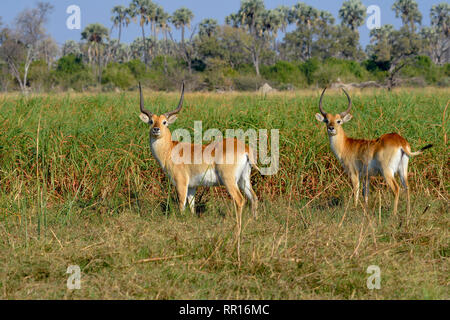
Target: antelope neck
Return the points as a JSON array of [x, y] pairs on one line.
[[337, 142], [161, 149]]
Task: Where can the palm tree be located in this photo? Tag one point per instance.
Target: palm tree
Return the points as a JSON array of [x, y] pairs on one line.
[[305, 18], [181, 19], [120, 18], [283, 12], [381, 33], [232, 20], [123, 53], [440, 17], [439, 35], [352, 13], [71, 47], [207, 27], [141, 9], [380, 46], [152, 12], [271, 22], [326, 18], [325, 32], [137, 48], [162, 24], [250, 12], [430, 42], [160, 19], [303, 14], [409, 12], [251, 17], [95, 34]]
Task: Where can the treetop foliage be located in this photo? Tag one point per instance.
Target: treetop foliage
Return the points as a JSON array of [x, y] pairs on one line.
[[241, 54]]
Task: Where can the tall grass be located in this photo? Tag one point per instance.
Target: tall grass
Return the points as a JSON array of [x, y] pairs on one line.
[[78, 184]]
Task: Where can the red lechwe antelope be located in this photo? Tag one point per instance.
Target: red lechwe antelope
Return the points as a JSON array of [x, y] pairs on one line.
[[388, 155], [226, 162]]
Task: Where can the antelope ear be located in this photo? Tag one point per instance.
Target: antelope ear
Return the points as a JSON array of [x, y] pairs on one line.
[[172, 119], [144, 118], [320, 117], [347, 117]]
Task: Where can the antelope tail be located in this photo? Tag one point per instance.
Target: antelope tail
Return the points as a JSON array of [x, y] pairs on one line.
[[412, 154]]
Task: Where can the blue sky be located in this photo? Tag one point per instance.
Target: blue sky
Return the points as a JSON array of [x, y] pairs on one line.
[[100, 11]]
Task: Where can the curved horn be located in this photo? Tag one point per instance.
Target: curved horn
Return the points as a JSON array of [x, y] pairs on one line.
[[180, 104], [143, 110], [320, 103], [343, 114]]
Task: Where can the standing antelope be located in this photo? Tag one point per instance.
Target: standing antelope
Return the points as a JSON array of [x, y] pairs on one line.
[[387, 155], [229, 162]]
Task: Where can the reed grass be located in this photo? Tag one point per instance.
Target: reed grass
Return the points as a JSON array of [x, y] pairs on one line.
[[78, 185]]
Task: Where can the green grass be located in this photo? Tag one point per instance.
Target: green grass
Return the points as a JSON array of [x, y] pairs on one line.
[[78, 185]]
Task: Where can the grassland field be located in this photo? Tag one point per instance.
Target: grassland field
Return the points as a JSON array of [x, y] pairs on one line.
[[79, 186]]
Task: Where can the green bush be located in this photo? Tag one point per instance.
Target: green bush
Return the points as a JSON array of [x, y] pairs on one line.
[[333, 69], [70, 64], [218, 75], [39, 77], [71, 72], [246, 69], [422, 67], [284, 73], [247, 83], [118, 75], [166, 73], [6, 79], [137, 68], [444, 82], [446, 69], [346, 70], [309, 68]]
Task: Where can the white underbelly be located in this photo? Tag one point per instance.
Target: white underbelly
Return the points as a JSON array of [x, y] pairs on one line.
[[208, 178], [375, 167], [394, 164], [241, 166]]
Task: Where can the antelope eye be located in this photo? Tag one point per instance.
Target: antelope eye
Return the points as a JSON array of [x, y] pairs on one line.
[[164, 122], [150, 122], [339, 121]]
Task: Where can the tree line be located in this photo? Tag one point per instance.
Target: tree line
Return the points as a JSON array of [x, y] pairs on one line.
[[240, 54]]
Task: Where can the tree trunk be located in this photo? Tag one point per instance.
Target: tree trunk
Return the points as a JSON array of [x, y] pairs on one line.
[[256, 62], [28, 62], [15, 72], [90, 54], [393, 71], [166, 50], [189, 65], [145, 46], [182, 35], [120, 32]]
